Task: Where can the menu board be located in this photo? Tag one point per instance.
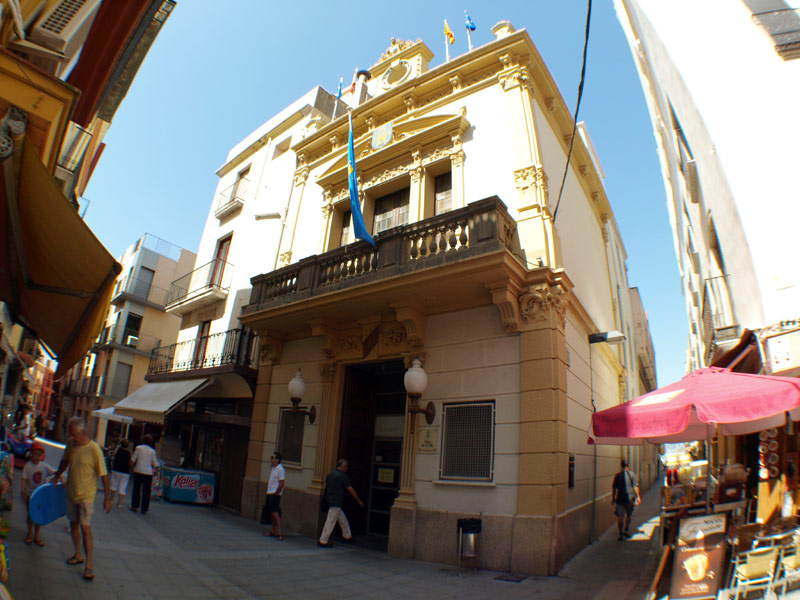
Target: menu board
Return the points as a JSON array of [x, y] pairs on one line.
[[698, 568]]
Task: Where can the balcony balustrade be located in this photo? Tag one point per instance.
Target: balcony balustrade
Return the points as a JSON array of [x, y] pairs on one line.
[[477, 229], [718, 319], [231, 199], [205, 285], [139, 289], [236, 347], [87, 386], [130, 338]]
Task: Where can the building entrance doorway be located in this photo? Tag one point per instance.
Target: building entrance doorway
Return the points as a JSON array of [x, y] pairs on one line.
[[373, 412]]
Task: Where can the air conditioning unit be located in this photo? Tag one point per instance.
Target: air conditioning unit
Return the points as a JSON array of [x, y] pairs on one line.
[[63, 29], [131, 340]]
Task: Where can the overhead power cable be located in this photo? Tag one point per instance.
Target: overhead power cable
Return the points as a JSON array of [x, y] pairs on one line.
[[577, 109]]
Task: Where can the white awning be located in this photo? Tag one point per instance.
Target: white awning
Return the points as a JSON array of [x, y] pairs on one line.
[[153, 401], [111, 415]]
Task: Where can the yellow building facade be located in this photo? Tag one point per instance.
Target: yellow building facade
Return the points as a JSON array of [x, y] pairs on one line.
[[476, 275]]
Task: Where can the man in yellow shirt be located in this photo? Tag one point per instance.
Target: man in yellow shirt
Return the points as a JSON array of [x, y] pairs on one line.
[[86, 463]]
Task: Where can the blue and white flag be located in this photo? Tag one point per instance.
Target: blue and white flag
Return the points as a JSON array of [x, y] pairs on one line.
[[357, 217], [339, 93], [468, 21]]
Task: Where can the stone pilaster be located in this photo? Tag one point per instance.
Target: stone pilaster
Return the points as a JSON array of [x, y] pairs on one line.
[[543, 468], [252, 485]]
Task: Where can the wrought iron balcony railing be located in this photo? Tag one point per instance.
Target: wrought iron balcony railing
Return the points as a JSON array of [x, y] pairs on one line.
[[231, 198], [213, 277], [139, 289], [480, 227], [236, 347]]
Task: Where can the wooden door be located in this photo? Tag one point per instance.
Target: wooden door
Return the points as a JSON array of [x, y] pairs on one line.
[[356, 441]]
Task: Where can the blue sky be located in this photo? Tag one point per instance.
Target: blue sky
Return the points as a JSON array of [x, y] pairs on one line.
[[219, 70]]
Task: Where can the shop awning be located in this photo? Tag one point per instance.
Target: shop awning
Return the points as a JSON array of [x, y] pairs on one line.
[[110, 415], [55, 276], [153, 401]]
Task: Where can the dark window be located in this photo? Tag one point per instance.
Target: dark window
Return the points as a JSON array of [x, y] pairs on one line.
[[468, 441], [143, 283], [132, 326], [391, 210], [220, 262], [444, 193], [290, 435], [346, 221]]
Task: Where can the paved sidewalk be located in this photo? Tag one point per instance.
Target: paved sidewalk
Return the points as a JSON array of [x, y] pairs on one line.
[[186, 551]]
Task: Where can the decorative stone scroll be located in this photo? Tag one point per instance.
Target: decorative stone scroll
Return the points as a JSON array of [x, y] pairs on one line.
[[542, 300], [271, 348], [413, 320]]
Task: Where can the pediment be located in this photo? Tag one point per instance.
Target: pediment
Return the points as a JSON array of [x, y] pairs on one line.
[[405, 135]]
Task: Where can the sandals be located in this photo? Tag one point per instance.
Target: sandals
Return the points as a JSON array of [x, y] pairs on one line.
[[39, 543], [279, 538], [74, 560], [88, 574], [29, 540]]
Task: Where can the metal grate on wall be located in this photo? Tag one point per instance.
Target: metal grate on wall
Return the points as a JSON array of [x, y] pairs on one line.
[[290, 435], [468, 441]]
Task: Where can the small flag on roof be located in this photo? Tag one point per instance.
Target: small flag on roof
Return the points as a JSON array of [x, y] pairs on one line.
[[469, 23], [449, 33]]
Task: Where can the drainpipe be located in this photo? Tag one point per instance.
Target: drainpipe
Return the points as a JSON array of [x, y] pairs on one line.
[[594, 446]]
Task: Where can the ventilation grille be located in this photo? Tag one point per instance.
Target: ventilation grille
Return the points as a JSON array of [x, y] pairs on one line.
[[468, 441], [61, 16]]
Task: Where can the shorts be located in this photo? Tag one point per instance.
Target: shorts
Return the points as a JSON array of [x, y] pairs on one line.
[[80, 512], [119, 482], [624, 509], [274, 504]]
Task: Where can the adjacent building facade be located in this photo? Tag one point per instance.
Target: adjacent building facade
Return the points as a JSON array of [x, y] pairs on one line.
[[65, 67], [719, 80], [136, 323]]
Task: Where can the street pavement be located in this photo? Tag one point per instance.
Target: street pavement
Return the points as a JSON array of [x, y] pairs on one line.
[[188, 551]]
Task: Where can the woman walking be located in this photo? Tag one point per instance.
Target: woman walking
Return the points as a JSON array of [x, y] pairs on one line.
[[120, 471], [143, 462]]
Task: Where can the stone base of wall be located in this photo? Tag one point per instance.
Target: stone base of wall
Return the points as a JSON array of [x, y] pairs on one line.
[[530, 545]]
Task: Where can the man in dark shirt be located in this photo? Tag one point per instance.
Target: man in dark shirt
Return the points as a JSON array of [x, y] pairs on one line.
[[336, 484], [625, 497]]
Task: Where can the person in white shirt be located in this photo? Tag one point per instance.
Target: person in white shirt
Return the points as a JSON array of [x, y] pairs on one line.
[[143, 462], [277, 477]]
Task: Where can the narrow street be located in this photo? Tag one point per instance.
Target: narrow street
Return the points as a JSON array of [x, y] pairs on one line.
[[187, 551]]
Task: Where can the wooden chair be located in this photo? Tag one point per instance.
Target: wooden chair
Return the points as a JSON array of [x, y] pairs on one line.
[[754, 569], [788, 569]]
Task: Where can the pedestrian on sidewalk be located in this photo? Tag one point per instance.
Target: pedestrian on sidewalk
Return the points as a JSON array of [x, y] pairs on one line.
[[336, 484], [120, 471], [625, 497], [277, 477], [86, 463], [143, 462], [34, 473]]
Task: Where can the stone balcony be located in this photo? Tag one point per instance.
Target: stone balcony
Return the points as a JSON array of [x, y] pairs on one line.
[[454, 260]]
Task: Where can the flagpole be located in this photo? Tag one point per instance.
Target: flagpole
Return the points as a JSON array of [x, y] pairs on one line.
[[446, 46], [469, 39]]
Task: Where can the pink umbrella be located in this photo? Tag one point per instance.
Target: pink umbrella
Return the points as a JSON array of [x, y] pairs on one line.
[[705, 401]]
